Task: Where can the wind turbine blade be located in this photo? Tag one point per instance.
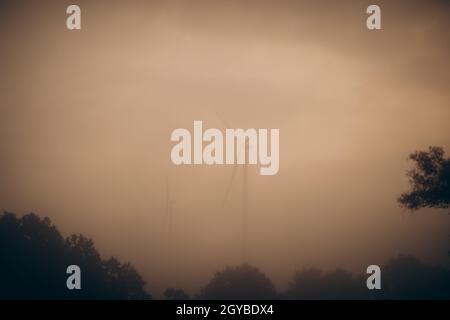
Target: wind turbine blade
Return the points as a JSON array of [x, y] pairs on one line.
[[233, 174]]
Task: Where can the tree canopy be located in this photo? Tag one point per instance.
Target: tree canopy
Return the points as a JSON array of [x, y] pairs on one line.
[[403, 277], [241, 282], [34, 257], [429, 180]]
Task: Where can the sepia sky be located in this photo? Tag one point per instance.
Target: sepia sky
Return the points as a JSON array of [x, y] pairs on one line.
[[86, 118]]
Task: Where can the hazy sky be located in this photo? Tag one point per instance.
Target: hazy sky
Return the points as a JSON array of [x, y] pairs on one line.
[[86, 117]]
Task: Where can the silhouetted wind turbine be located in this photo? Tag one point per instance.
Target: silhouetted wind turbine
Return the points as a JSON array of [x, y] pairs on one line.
[[244, 204]]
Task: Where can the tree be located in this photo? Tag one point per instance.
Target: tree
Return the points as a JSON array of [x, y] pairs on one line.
[[429, 180], [402, 277], [34, 258], [406, 277], [311, 283], [239, 283], [176, 294]]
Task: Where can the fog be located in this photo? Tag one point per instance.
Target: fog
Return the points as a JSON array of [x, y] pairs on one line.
[[86, 118]]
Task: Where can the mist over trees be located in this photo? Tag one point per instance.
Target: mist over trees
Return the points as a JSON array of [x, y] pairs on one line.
[[403, 277], [34, 257], [176, 294], [240, 283], [312, 283]]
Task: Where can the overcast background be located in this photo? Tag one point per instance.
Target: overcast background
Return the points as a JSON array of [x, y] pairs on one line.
[[86, 117]]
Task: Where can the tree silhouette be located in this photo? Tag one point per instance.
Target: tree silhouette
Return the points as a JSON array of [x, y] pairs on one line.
[[176, 294], [311, 283], [240, 283], [34, 258], [403, 277], [429, 180]]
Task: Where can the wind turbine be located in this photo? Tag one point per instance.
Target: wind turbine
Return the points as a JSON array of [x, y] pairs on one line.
[[244, 204]]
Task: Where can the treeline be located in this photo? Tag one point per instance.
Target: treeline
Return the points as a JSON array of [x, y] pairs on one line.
[[403, 277], [34, 257]]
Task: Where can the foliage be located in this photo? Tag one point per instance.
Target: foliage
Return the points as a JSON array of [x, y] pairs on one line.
[[429, 180], [34, 258]]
